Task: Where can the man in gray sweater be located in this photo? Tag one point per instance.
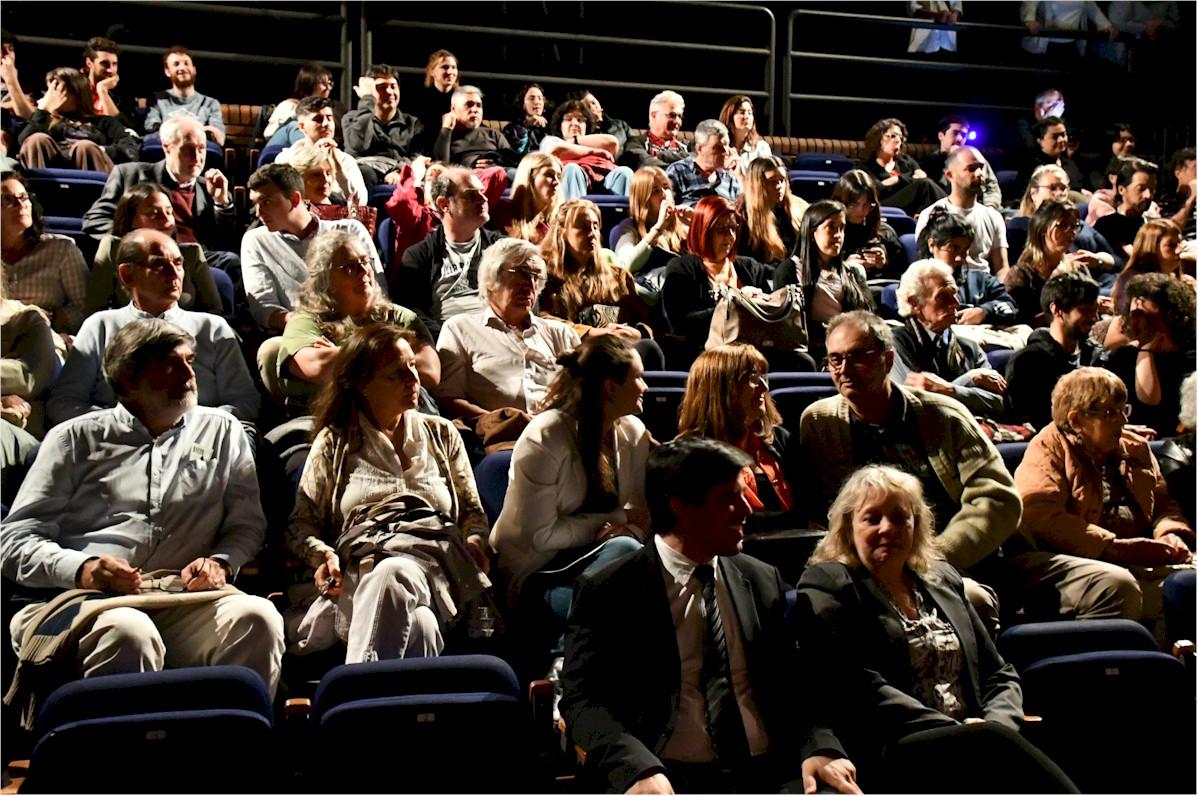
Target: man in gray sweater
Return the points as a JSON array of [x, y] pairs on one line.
[[182, 96]]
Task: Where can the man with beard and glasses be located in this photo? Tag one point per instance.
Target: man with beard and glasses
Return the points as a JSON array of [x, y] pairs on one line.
[[151, 269], [965, 171], [1134, 189], [121, 500], [182, 96]]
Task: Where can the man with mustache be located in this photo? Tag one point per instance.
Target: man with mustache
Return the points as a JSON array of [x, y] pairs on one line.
[[154, 483], [1134, 189], [151, 268]]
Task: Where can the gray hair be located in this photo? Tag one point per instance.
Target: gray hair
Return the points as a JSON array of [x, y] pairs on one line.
[[135, 344], [913, 287], [667, 96], [172, 129], [871, 324], [462, 91], [309, 157], [707, 128], [445, 183], [1189, 403], [314, 294], [505, 252]]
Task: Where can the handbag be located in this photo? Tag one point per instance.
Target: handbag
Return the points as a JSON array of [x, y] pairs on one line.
[[776, 321]]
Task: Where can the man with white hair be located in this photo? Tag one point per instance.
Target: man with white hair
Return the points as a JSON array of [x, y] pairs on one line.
[[965, 171], [704, 173], [662, 145], [155, 483], [463, 138], [202, 200]]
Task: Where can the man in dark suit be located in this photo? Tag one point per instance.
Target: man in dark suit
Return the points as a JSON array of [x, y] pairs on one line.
[[679, 674], [202, 201]]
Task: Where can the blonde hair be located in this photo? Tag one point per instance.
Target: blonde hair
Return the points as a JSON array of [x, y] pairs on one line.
[[595, 281], [644, 183], [526, 218], [837, 544], [709, 407], [911, 290], [310, 157], [1027, 205], [755, 205], [1085, 390]]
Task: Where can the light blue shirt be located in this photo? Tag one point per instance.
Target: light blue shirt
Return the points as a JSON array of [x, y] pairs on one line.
[[221, 373], [101, 485]]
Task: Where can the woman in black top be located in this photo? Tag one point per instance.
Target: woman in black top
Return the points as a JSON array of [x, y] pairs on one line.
[[868, 240], [65, 134], [901, 182]]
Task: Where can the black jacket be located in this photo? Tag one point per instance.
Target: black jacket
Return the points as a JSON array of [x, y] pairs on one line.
[[1033, 371], [365, 135], [855, 641], [118, 141], [623, 674], [215, 227], [421, 268], [687, 298]]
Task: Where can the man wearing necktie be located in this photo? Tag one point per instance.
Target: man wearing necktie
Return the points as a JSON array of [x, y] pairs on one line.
[[680, 674]]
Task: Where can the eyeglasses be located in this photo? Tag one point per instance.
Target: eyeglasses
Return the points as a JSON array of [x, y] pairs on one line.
[[522, 274], [726, 229], [892, 136], [16, 199], [353, 266], [1075, 227], [1112, 414], [1054, 186], [853, 359], [757, 380]]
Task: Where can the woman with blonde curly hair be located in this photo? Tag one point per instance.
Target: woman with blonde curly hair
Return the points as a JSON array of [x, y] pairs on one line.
[[534, 201], [886, 620], [773, 215], [587, 288], [727, 399], [656, 228]]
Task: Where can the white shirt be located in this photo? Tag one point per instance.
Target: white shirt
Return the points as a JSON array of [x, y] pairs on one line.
[[375, 471], [689, 742], [493, 365], [930, 40], [989, 231], [1060, 15]]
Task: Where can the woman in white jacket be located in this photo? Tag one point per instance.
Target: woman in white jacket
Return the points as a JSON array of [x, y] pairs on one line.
[[577, 491]]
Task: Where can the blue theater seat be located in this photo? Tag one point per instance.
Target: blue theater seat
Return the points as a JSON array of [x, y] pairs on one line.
[[823, 161], [65, 192], [491, 477], [791, 401], [910, 245]]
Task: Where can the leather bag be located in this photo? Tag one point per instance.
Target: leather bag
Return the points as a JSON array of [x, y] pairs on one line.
[[774, 322]]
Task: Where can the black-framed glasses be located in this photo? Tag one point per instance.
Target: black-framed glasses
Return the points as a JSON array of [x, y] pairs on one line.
[[851, 358], [16, 199]]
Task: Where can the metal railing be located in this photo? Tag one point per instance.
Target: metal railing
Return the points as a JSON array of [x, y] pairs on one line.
[[768, 50], [789, 94]]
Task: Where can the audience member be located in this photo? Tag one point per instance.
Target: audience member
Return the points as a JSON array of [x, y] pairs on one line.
[[773, 215], [656, 228], [577, 494], [606, 123], [312, 80], [830, 285], [39, 268], [1156, 251], [692, 282], [728, 399], [952, 133], [464, 139], [1105, 197], [1158, 318], [273, 254], [963, 168], [28, 361], [587, 288], [948, 238], [662, 143], [319, 171], [932, 437], [339, 295], [705, 172], [1055, 15], [745, 144], [202, 201], [150, 267], [933, 40], [64, 132], [536, 196], [378, 134], [869, 240], [438, 277], [1095, 501], [314, 116], [411, 208], [929, 355], [901, 182], [588, 157], [1052, 139], [936, 669], [15, 105], [1178, 204], [155, 483], [373, 452], [1088, 247], [182, 96], [1135, 188], [681, 680], [1070, 300], [1049, 102], [1176, 455], [525, 134], [1051, 232], [101, 64], [503, 355], [147, 205], [433, 97]]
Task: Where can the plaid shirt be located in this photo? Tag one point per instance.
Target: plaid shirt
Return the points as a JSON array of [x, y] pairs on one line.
[[54, 277], [690, 185]]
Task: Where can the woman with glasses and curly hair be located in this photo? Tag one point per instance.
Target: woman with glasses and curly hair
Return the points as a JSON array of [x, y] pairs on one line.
[[901, 182]]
